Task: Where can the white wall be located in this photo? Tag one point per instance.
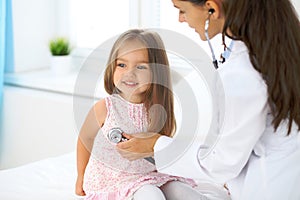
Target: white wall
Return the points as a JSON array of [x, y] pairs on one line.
[[37, 125]]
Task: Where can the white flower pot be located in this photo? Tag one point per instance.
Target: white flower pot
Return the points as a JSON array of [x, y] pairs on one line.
[[61, 64]]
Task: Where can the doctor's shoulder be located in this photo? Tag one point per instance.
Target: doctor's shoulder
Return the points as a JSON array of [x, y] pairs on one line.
[[240, 79]]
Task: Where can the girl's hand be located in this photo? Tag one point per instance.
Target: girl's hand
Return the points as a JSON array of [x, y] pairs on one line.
[[78, 188], [138, 145]]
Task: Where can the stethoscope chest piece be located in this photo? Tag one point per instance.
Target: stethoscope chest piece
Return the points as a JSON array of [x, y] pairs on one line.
[[115, 135]]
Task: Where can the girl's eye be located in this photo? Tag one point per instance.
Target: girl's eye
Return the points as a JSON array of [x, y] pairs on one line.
[[121, 65], [142, 67]]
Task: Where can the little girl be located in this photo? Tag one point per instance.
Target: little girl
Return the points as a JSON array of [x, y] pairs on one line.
[[137, 78]]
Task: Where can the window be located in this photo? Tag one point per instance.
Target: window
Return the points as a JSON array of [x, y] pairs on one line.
[[94, 21]]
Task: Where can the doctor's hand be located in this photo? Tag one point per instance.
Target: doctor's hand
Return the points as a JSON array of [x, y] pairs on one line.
[[139, 145]]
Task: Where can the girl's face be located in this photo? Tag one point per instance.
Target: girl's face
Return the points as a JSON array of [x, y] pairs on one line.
[[196, 16], [132, 75]]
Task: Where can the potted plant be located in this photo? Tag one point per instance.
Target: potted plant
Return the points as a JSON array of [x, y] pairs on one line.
[[60, 50]]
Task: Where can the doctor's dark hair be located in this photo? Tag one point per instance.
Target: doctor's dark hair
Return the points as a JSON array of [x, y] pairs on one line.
[[271, 31], [159, 95]]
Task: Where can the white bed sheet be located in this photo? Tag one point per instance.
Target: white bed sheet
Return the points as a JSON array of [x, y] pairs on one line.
[[54, 179], [48, 179]]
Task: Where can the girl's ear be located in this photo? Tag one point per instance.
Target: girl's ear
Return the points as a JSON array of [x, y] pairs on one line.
[[214, 8]]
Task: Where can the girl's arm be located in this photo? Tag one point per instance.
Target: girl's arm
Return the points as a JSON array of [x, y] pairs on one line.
[[88, 132]]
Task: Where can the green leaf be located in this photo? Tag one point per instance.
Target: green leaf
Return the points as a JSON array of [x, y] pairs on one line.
[[59, 46]]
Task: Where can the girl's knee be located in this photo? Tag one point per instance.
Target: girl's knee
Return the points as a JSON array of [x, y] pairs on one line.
[[149, 192]]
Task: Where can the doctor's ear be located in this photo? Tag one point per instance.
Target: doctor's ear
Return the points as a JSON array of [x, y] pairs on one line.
[[211, 11], [214, 9]]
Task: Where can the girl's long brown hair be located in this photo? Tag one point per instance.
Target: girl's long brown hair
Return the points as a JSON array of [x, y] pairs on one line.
[[271, 31], [159, 100]]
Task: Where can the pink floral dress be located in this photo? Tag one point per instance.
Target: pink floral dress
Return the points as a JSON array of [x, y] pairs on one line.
[[108, 176]]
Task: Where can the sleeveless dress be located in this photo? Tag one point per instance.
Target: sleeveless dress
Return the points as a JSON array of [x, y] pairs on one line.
[[109, 176]]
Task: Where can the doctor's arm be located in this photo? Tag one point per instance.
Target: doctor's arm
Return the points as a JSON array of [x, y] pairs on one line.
[[139, 145]]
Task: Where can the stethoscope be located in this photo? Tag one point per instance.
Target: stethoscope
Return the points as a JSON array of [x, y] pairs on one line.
[[115, 135], [225, 55]]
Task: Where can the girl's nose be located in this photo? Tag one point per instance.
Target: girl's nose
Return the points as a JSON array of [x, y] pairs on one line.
[[130, 72]]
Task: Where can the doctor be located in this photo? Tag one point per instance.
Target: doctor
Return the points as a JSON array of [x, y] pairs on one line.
[[257, 154]]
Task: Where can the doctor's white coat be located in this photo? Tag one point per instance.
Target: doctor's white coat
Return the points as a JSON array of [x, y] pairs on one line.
[[254, 161]]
